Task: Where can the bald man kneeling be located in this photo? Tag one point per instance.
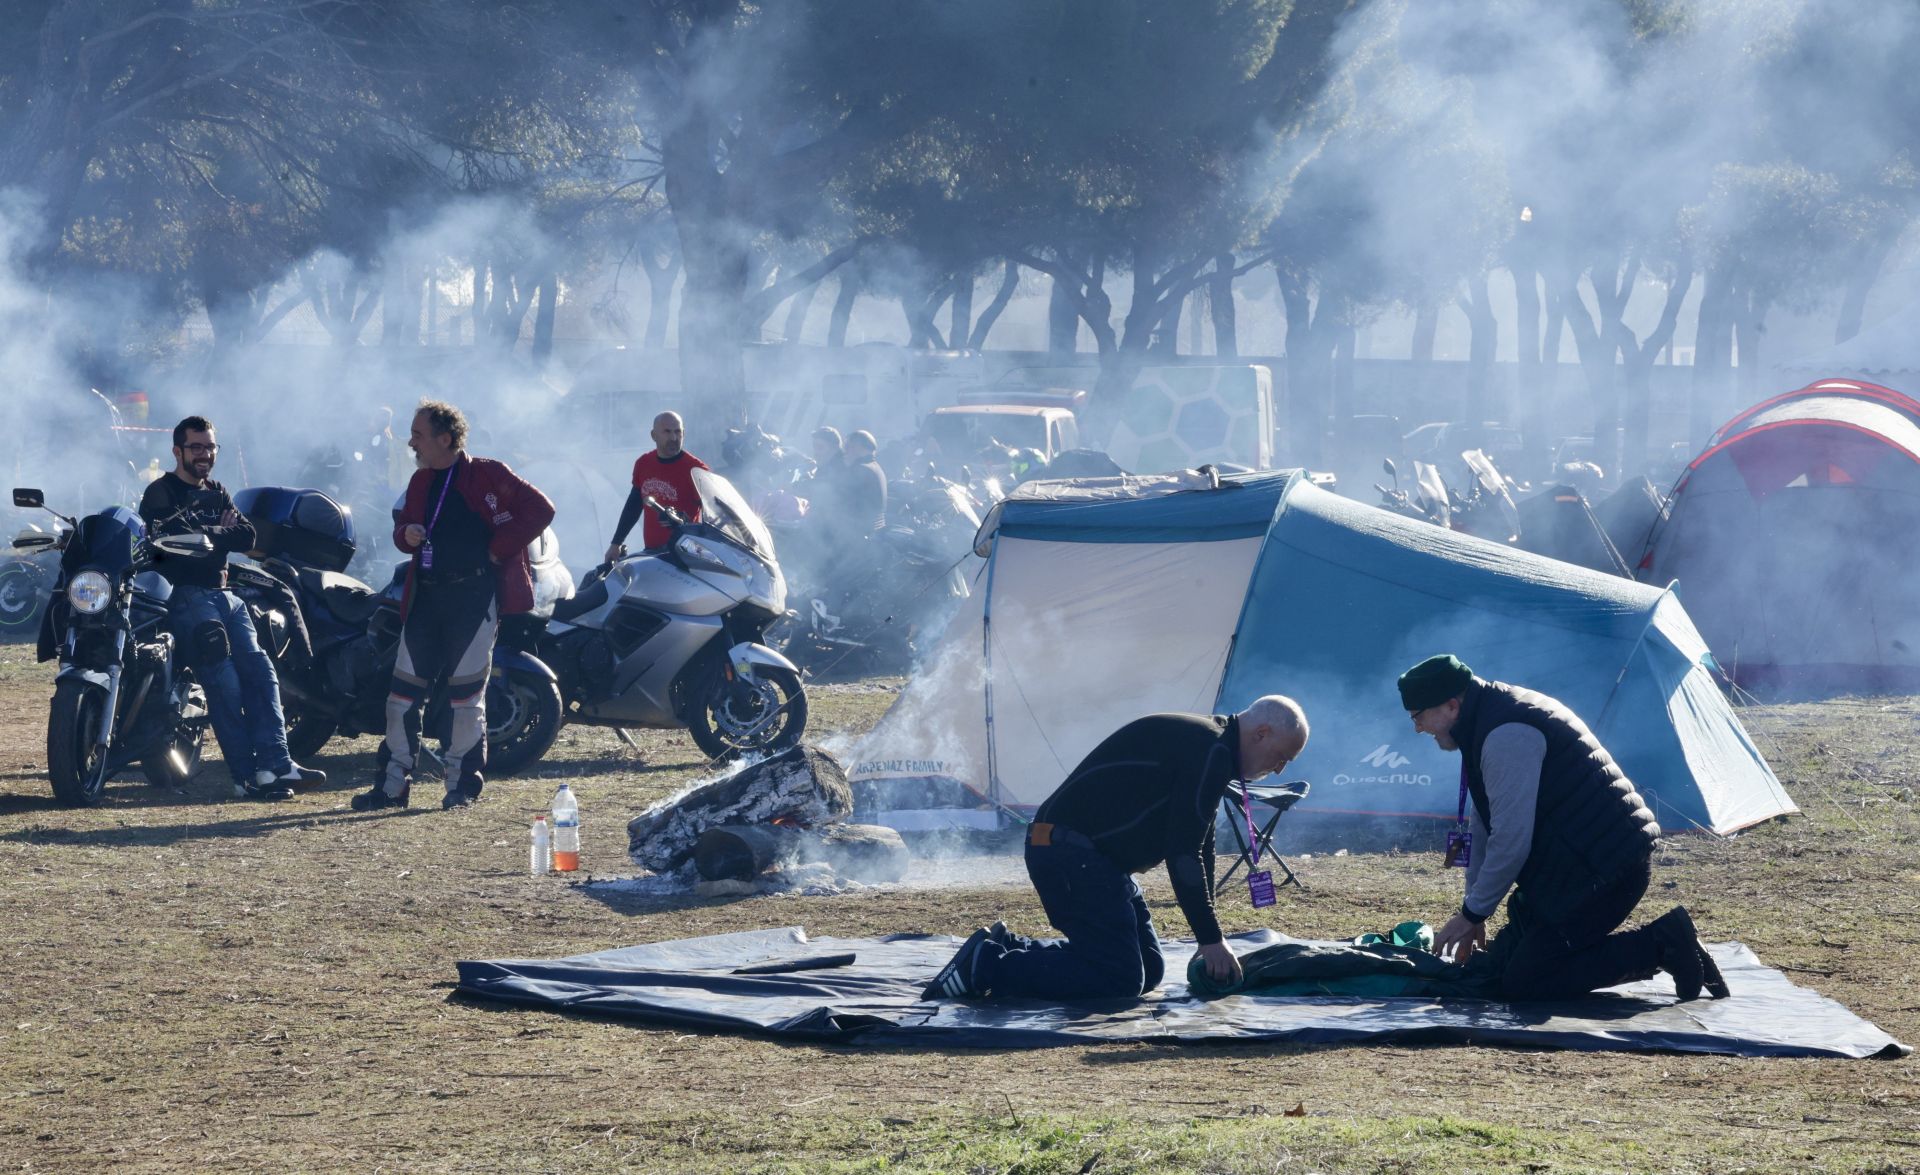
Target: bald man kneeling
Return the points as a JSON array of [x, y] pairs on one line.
[[1147, 794]]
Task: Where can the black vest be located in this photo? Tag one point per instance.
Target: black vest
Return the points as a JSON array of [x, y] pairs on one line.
[[1588, 824]]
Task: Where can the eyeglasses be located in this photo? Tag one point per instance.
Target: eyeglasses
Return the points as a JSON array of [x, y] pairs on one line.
[[202, 450]]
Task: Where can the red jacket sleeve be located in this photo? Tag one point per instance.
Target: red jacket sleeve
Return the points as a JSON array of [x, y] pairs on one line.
[[529, 511], [414, 511]]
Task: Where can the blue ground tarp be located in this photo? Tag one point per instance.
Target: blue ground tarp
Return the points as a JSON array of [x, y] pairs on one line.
[[875, 997]]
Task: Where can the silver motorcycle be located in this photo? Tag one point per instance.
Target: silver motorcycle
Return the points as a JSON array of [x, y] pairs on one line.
[[676, 637]]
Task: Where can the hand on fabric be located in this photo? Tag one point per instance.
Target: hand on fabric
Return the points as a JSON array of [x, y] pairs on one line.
[[1222, 967], [415, 534], [1460, 938]]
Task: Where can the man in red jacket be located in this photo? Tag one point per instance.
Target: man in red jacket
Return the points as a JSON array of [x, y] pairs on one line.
[[467, 521]]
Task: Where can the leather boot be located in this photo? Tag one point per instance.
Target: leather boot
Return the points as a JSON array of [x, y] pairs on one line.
[[1715, 983], [1680, 952]]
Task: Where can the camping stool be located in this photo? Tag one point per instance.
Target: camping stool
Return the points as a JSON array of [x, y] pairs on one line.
[[1277, 796]]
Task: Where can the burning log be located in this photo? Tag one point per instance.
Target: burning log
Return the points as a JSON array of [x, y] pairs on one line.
[[801, 786], [857, 852]]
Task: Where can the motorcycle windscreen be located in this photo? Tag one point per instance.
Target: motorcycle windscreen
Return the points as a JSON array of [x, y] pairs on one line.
[[721, 505], [107, 541]]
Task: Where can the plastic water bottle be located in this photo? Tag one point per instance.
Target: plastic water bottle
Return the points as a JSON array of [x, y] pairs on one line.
[[566, 831], [542, 846]]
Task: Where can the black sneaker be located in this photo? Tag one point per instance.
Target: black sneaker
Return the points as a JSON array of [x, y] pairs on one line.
[[1002, 937], [272, 791], [961, 976], [294, 776], [376, 798], [1680, 953], [459, 797], [1712, 980]]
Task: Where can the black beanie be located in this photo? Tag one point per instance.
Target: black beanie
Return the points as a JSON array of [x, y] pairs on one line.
[[1433, 681]]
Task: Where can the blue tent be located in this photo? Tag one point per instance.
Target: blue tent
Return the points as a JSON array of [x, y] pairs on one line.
[[1104, 600]]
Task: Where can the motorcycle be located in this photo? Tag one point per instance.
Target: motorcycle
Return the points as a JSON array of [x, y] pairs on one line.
[[1428, 500], [334, 639], [895, 595], [675, 638], [26, 584], [119, 698]]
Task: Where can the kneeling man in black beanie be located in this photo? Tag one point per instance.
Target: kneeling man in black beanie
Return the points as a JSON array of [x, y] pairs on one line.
[[1546, 813]]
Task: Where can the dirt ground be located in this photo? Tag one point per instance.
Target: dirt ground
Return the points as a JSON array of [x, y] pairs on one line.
[[196, 983]]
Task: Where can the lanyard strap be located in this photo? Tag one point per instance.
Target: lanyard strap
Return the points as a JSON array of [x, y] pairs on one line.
[[441, 501], [1253, 840], [1460, 817]]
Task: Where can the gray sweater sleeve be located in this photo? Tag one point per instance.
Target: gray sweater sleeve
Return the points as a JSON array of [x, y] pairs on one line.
[[1510, 765]]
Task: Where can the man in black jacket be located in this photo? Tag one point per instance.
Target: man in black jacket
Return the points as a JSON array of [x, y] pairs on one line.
[[1554, 819], [215, 634], [1146, 794]]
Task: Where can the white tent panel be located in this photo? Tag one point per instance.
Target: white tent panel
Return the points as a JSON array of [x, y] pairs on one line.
[[1084, 631]]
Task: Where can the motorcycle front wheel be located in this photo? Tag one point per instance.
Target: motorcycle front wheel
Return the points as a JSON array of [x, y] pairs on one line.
[[523, 719], [76, 767], [758, 717]]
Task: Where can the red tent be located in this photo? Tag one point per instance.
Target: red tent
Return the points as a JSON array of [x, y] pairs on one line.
[[1792, 540]]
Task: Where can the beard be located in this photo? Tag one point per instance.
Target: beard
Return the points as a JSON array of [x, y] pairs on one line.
[[201, 468]]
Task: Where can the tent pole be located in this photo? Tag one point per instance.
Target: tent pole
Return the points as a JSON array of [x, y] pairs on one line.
[[986, 678], [1631, 653]]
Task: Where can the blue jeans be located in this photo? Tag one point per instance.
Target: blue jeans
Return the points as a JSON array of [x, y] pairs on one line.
[[243, 692], [1110, 950]]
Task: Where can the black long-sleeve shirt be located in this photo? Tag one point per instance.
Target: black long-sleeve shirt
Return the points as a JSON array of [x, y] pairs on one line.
[[1147, 794], [172, 507]]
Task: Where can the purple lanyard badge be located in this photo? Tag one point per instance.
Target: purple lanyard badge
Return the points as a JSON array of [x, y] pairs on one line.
[[426, 545], [1259, 881], [1460, 841]]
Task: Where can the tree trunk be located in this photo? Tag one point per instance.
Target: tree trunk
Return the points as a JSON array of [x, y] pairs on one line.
[[1307, 371], [1340, 374], [857, 852], [549, 295], [1535, 404], [1749, 325], [1483, 336], [713, 377], [396, 306], [1063, 322], [660, 282], [1639, 376], [1599, 366], [983, 326], [1864, 272], [1226, 322], [1706, 406], [842, 310], [797, 309], [960, 323]]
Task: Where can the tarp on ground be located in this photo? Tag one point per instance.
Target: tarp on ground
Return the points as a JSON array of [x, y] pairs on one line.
[[1789, 536], [1096, 608], [693, 983]]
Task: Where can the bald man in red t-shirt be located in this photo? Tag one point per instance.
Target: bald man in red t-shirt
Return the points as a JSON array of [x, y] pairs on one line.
[[665, 475]]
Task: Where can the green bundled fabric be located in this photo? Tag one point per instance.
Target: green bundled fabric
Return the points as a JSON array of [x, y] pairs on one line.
[[1398, 964]]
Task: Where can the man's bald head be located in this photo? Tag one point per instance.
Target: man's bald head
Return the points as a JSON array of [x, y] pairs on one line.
[[669, 435], [1273, 732]]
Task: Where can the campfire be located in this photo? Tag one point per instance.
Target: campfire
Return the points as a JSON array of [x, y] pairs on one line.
[[776, 825]]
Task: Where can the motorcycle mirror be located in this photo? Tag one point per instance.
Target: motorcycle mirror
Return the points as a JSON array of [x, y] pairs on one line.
[[1392, 471], [28, 499]]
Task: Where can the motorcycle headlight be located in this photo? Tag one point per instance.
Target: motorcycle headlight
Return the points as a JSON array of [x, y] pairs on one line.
[[89, 592], [695, 551]]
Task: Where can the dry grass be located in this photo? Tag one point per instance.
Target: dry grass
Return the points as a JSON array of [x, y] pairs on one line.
[[193, 983]]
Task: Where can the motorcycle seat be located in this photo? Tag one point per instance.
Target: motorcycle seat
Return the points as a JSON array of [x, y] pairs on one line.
[[346, 597]]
